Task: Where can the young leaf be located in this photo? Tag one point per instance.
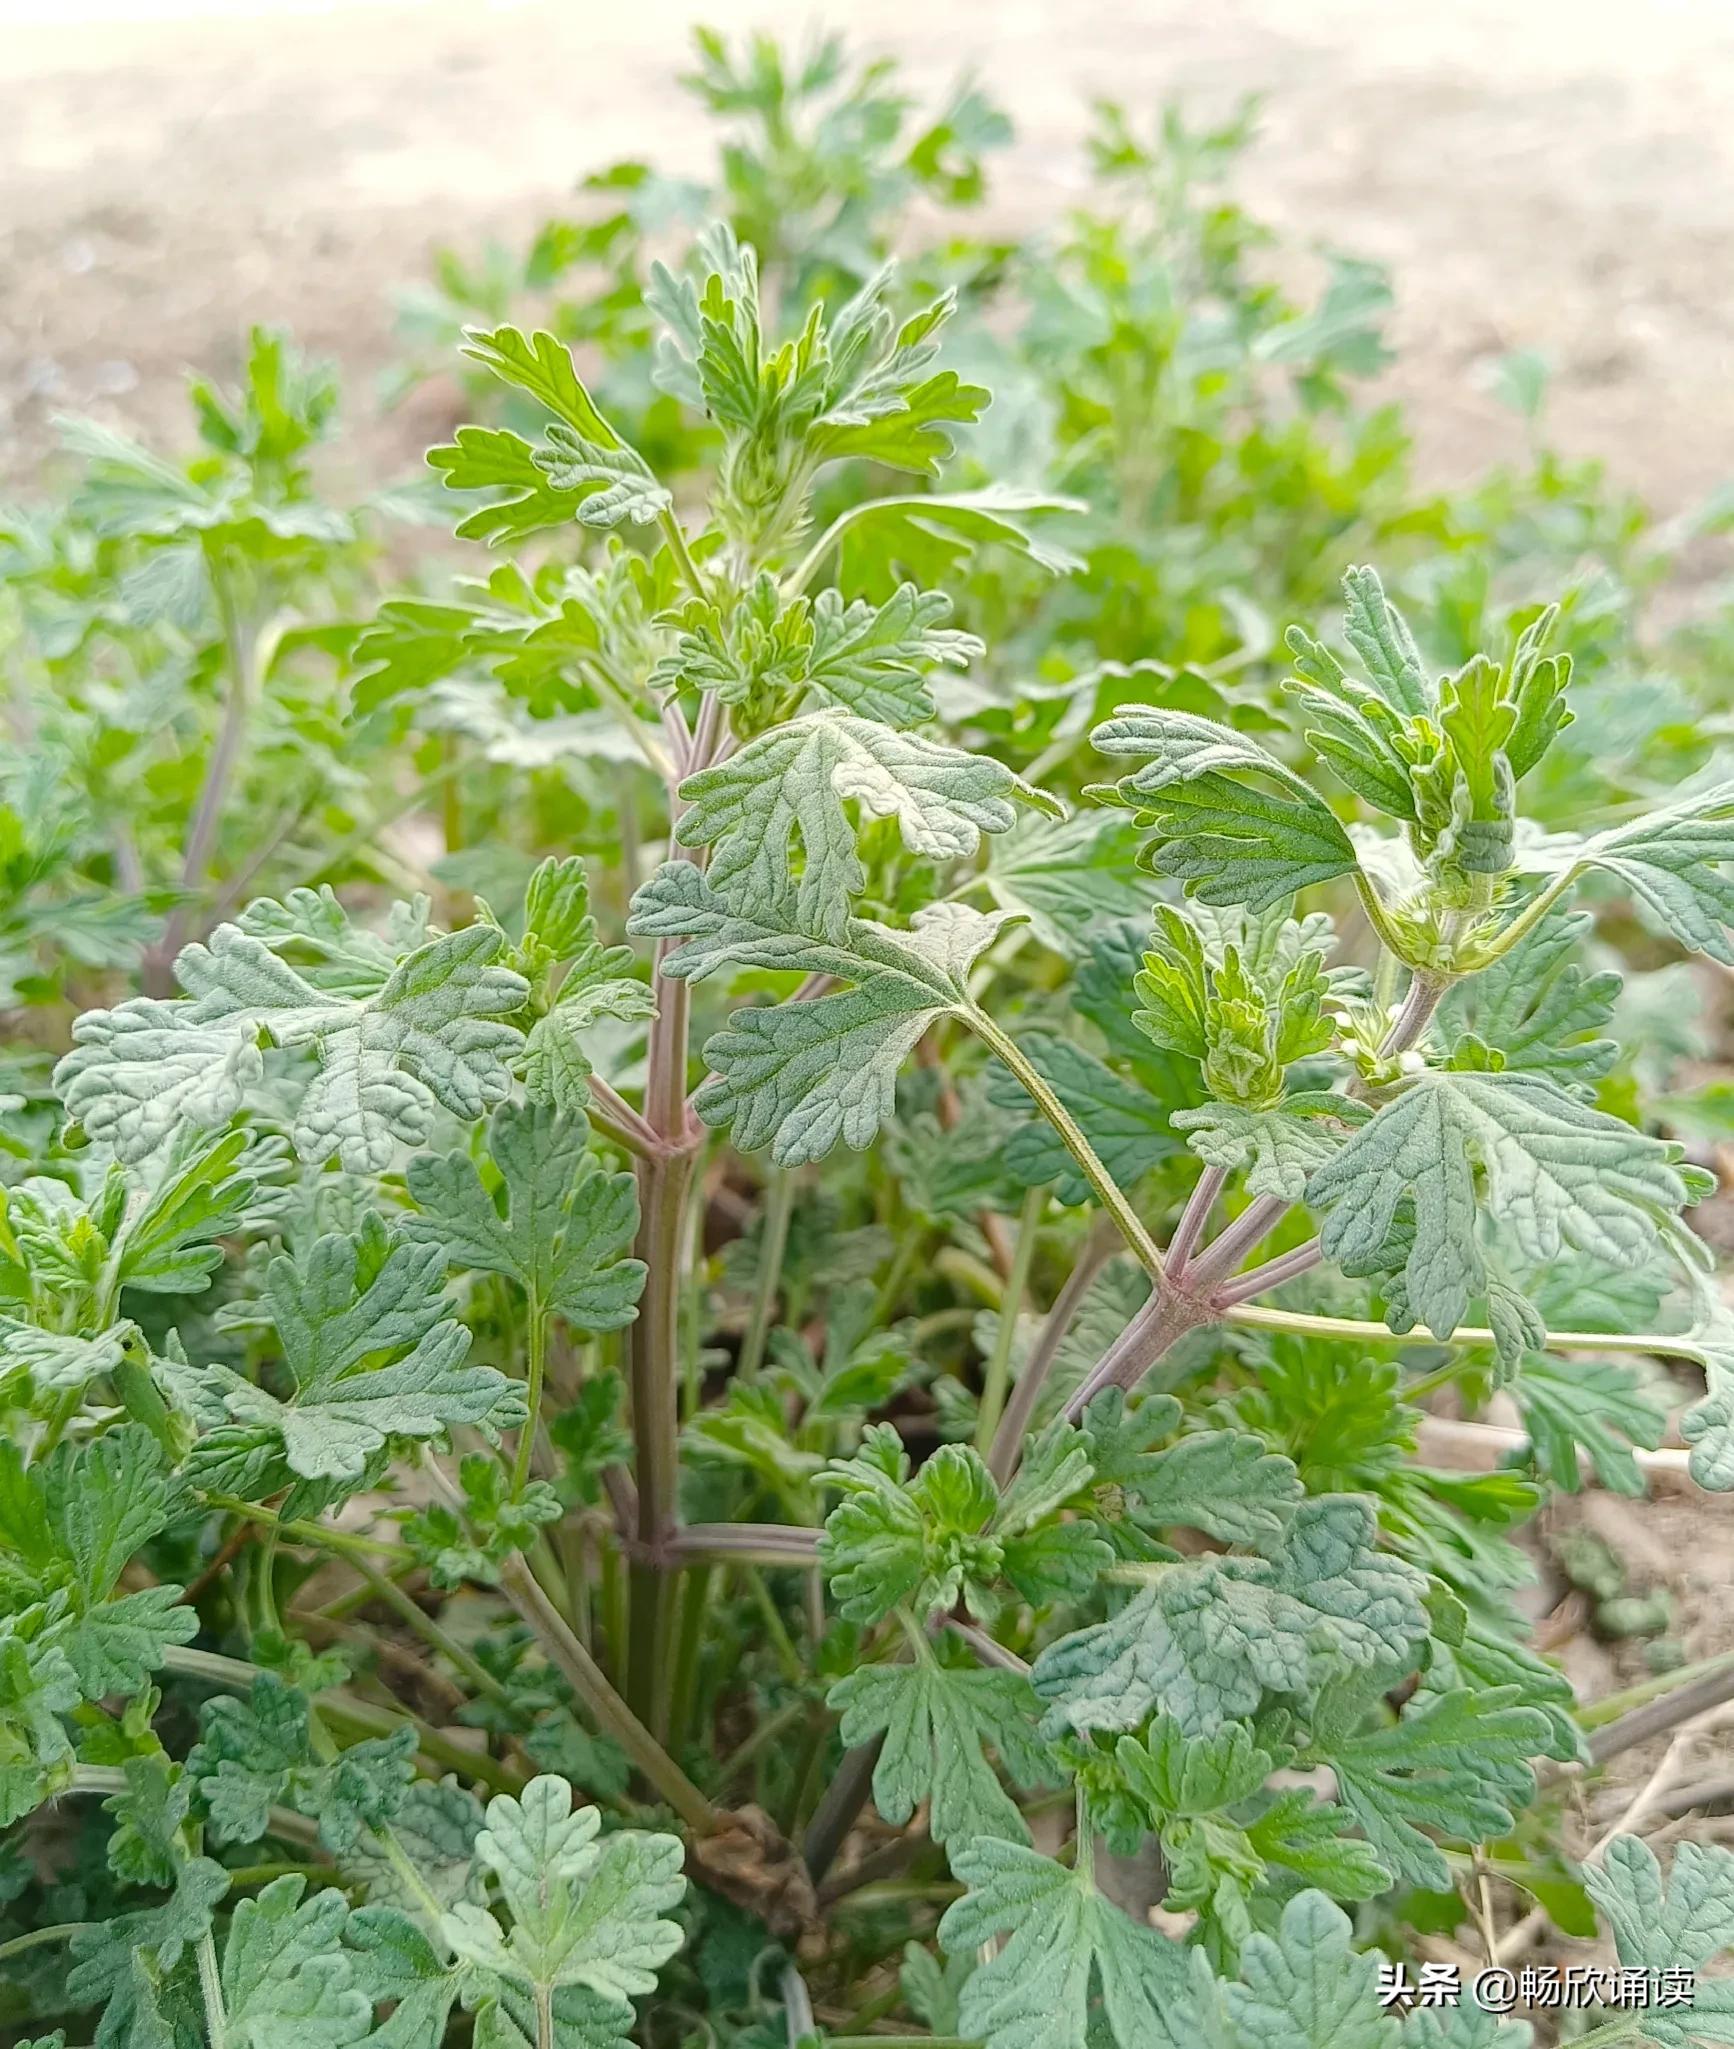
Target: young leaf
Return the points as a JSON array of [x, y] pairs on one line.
[[1677, 1924], [428, 1037], [584, 1912], [1306, 1987], [593, 475], [797, 779], [937, 1722], [564, 1223], [1675, 862], [1453, 1762], [1535, 1010], [285, 1977], [1279, 1148], [371, 1353], [1592, 1404], [1558, 1173], [1064, 1947], [801, 1075], [1207, 1639], [1231, 842]]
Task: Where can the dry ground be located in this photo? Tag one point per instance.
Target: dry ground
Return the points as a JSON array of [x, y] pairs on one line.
[[1556, 174]]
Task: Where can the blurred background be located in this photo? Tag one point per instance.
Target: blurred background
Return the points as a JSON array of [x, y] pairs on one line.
[[1554, 176]]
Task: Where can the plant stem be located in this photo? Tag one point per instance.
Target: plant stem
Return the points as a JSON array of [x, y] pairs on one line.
[[237, 1676], [1014, 1425], [211, 1991], [1623, 1719], [835, 1814], [1286, 1266], [1107, 1190], [787, 1544], [906, 2042], [239, 644], [998, 1375], [62, 1931], [1523, 924], [1209, 1268], [654, 1344], [694, 1594], [674, 534], [586, 1678], [1194, 1217], [535, 1372], [779, 1209], [1665, 1344], [430, 1632], [1163, 1320], [619, 1119]]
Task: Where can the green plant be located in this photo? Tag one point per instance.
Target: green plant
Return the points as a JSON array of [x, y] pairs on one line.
[[521, 1391]]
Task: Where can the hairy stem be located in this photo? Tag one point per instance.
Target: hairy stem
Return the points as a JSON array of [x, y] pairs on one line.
[[779, 1209], [1005, 1330], [1194, 1217], [587, 1680], [240, 650], [1162, 1321], [1014, 1425], [1286, 1266], [535, 1372], [211, 1992], [1106, 1189], [616, 1116]]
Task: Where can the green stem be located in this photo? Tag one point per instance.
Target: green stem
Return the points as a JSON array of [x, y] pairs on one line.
[[535, 1371], [779, 1209], [587, 1679], [1377, 916], [1430, 1383], [674, 534], [903, 2042], [362, 1716], [1521, 926], [431, 1633], [998, 1376], [211, 1991], [1106, 1189], [782, 1644], [689, 1642], [1668, 1345], [62, 1931]]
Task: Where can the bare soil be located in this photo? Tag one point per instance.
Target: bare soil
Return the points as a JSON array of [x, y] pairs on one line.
[[1556, 175]]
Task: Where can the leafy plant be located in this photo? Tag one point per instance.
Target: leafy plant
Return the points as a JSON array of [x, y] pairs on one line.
[[823, 1334]]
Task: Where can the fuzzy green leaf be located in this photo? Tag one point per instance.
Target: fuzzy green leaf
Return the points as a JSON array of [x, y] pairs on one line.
[[1456, 1763], [1208, 1638], [1557, 1173], [584, 1912], [1679, 1923], [937, 1722], [800, 1076], [1679, 863], [287, 1982], [427, 1037], [1306, 1987], [1065, 1946], [795, 781], [1231, 842], [562, 1227], [372, 1355], [1278, 1148]]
